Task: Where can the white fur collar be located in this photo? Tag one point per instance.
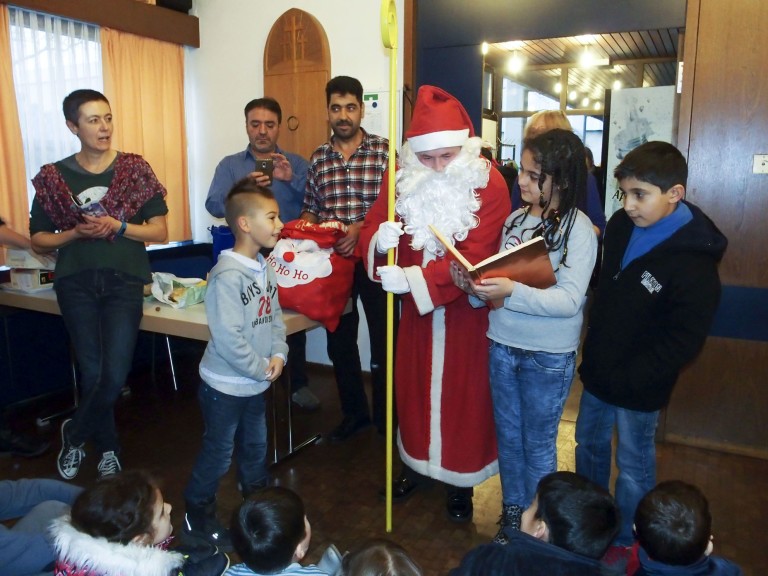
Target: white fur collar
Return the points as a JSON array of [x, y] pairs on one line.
[[105, 558]]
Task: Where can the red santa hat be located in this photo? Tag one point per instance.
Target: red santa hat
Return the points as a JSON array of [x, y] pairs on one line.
[[439, 121]]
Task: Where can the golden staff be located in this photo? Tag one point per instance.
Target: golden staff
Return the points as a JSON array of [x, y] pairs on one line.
[[389, 38]]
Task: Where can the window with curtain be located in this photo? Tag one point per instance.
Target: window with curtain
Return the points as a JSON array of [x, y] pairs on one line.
[[51, 57]]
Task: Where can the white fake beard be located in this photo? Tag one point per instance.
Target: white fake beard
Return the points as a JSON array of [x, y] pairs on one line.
[[447, 200]]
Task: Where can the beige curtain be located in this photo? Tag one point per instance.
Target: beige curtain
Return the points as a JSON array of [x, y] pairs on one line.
[[144, 81], [14, 206]]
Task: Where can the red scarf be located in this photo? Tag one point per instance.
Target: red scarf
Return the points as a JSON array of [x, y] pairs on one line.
[[133, 184]]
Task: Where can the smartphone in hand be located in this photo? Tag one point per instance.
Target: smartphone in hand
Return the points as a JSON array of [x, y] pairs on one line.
[[266, 167]]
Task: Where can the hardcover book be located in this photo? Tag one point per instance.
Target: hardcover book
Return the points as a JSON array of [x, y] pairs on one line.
[[527, 263]]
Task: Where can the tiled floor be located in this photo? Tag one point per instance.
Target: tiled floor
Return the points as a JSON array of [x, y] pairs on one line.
[[339, 483]]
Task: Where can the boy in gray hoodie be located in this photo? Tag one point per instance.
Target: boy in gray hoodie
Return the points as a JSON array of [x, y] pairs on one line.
[[246, 353]]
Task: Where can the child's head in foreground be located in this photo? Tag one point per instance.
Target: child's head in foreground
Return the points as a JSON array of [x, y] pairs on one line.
[[124, 508], [673, 523], [379, 557], [652, 179], [252, 214], [573, 513], [270, 530]]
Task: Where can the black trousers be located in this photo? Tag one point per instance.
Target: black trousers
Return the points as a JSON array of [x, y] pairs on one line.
[[345, 355]]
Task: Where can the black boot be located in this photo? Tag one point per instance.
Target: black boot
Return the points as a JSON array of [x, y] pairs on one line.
[[200, 522], [404, 486], [458, 504], [246, 491], [511, 514], [202, 559]]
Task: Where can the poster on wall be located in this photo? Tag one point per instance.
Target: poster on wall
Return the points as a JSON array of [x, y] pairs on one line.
[[376, 119], [638, 115]]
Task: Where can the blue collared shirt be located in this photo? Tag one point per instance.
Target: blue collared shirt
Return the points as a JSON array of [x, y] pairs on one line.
[[289, 195]]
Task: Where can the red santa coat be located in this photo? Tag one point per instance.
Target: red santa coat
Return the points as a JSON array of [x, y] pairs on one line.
[[441, 363]]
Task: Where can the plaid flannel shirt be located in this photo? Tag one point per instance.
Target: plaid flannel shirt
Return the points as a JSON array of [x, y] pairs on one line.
[[344, 191]]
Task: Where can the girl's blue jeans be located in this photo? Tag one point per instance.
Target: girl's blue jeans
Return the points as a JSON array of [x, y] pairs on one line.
[[529, 390]]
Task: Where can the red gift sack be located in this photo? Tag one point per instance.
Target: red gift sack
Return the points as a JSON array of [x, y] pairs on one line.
[[312, 278]]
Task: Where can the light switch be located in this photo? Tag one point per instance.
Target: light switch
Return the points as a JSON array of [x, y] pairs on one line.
[[760, 164]]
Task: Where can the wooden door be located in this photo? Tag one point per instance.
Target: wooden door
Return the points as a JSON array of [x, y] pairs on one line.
[[720, 401], [297, 66]]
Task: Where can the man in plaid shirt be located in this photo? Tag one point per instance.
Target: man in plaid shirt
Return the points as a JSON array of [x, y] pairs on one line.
[[343, 182]]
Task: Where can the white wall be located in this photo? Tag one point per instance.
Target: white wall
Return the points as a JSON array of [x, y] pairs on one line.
[[227, 71]]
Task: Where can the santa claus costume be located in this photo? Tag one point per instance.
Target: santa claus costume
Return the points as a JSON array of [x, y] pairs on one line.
[[446, 428]]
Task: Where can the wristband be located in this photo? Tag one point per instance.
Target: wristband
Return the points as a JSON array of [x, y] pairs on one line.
[[123, 226]]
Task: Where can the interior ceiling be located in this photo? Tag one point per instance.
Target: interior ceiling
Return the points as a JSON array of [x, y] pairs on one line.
[[641, 58]]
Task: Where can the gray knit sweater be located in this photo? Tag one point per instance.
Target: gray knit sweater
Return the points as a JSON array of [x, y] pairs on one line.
[[548, 320], [246, 324]]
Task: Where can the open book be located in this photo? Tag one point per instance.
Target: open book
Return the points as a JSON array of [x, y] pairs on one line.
[[527, 263], [88, 202]]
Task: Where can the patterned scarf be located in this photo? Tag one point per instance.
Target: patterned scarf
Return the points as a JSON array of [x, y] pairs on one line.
[[133, 184]]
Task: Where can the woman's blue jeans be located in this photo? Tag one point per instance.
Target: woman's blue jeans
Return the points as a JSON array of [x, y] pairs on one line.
[[233, 425], [635, 454], [102, 311], [529, 390]]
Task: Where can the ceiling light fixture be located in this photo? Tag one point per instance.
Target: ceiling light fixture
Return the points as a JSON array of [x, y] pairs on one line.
[[597, 106], [485, 48], [558, 87], [572, 95], [584, 102], [617, 84], [515, 63], [589, 59]]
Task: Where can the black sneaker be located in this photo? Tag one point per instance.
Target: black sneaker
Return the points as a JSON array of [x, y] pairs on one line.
[[213, 566], [70, 456], [109, 464], [200, 523], [349, 427], [202, 559]]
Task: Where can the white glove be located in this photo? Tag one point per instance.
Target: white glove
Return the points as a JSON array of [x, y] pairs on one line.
[[393, 279], [388, 236]]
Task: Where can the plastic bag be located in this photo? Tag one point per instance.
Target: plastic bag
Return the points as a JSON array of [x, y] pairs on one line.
[[312, 278], [178, 292]]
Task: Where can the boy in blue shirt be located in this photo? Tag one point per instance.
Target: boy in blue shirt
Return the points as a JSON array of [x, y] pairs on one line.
[[245, 354], [271, 534], [658, 292]]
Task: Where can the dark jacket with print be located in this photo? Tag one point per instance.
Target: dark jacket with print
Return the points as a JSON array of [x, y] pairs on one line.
[[525, 555], [705, 566], [651, 319]]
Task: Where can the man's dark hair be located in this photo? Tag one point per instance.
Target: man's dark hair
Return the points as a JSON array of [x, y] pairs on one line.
[[344, 85], [240, 199], [267, 528], [673, 523], [73, 101], [268, 104], [658, 163], [117, 508], [581, 516]]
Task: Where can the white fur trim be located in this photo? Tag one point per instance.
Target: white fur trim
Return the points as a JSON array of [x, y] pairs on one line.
[[110, 558], [371, 258], [419, 290], [433, 466], [435, 140], [436, 388]]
